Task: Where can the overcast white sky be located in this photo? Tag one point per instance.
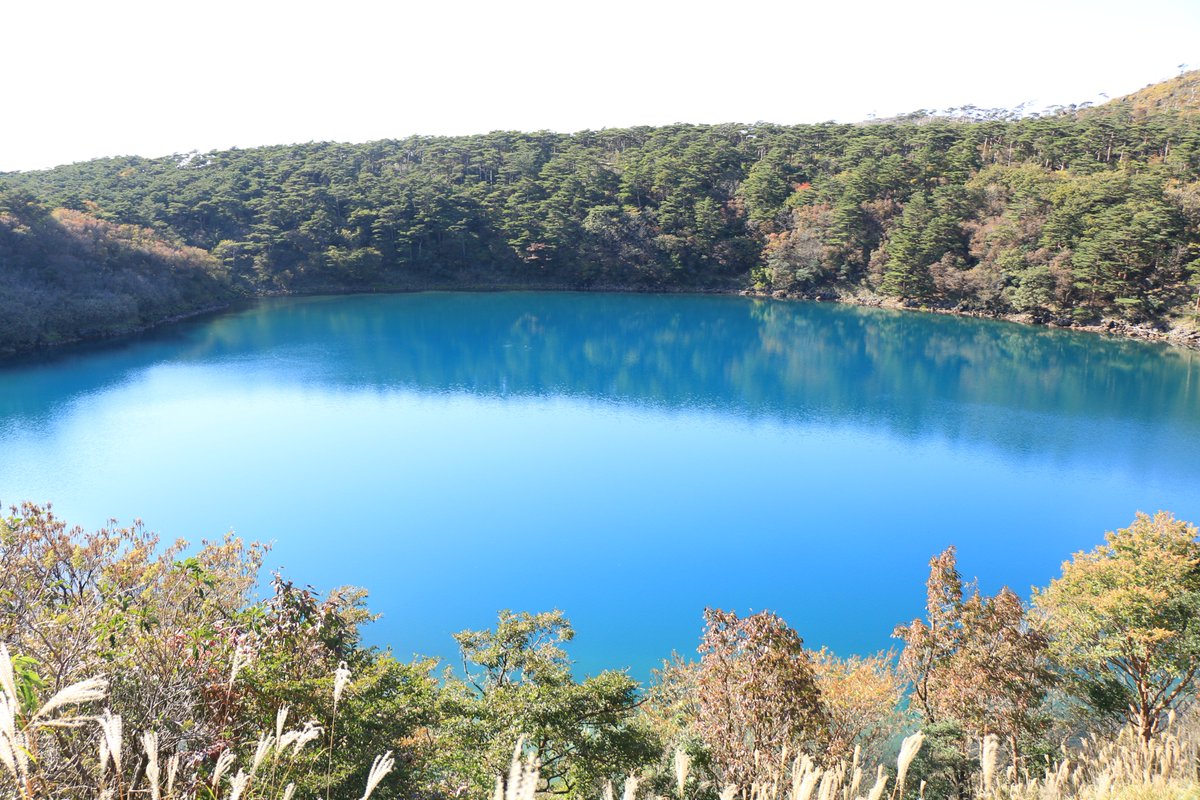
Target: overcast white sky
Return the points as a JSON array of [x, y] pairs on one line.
[[116, 77]]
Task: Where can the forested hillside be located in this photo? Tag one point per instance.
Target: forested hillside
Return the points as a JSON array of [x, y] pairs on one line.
[[67, 276], [1070, 217]]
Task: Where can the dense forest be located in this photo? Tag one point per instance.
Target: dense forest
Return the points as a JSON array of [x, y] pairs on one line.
[[1071, 216]]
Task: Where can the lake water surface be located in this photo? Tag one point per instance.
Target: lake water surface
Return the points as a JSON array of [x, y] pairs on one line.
[[629, 459]]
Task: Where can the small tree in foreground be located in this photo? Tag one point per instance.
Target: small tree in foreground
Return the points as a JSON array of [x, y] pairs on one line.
[[861, 697], [977, 668], [519, 687], [757, 692], [1124, 619]]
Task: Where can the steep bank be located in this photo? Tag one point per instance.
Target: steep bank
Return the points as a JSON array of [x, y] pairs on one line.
[[69, 277]]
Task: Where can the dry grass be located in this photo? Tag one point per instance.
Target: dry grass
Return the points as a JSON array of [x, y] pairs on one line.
[[1123, 768]]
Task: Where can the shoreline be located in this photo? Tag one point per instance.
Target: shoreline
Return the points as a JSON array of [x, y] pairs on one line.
[[1176, 336]]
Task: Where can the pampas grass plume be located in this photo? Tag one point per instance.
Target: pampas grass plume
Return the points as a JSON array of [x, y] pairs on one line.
[[88, 691], [989, 755], [150, 744], [908, 751], [682, 764], [881, 780], [379, 769], [341, 679]]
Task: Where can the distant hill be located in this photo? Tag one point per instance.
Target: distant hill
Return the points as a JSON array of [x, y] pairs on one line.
[[1179, 95]]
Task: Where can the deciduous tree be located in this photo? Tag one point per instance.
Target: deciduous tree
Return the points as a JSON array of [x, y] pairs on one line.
[[975, 661], [1124, 619], [757, 692]]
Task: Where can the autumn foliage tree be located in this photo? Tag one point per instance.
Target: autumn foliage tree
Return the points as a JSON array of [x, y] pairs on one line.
[[118, 601], [975, 660], [757, 692], [861, 697], [1124, 620], [190, 653]]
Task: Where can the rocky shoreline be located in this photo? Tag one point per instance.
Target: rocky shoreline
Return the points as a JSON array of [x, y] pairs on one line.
[[1177, 335]]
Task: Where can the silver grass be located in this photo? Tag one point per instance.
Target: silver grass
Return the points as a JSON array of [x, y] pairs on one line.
[[150, 744], [237, 784], [110, 730], [799, 770], [7, 681], [988, 757], [103, 756], [728, 793], [797, 776], [224, 762], [241, 659], [525, 785], [855, 782], [286, 740], [65, 722], [807, 784], [311, 732], [629, 791], [826, 790], [10, 743], [379, 770], [280, 720], [7, 756], [260, 752], [87, 691], [8, 716], [172, 772], [682, 764], [289, 791], [908, 751], [515, 773], [341, 679], [881, 780]]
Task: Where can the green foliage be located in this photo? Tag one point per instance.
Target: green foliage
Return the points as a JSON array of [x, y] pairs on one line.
[[193, 657], [1094, 213], [518, 685], [942, 764], [1123, 619], [195, 660], [29, 683]]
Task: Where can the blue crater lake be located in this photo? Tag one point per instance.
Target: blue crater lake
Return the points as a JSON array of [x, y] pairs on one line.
[[629, 459]]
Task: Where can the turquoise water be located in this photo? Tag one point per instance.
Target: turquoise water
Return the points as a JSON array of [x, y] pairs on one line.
[[629, 459]]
